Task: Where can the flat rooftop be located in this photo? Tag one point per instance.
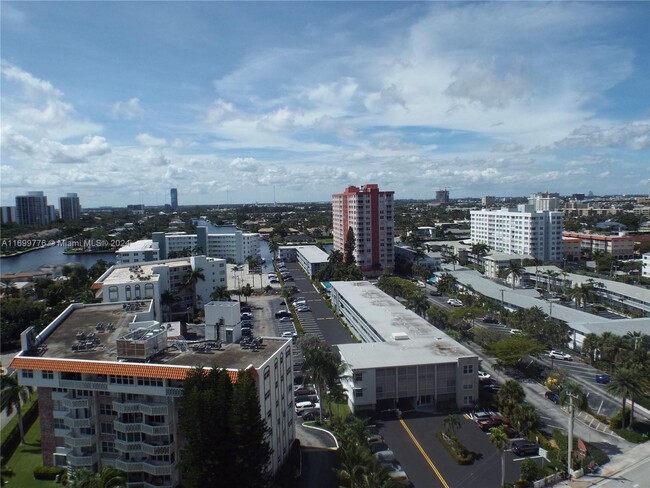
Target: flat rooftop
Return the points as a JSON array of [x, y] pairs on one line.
[[141, 272], [141, 245], [313, 254], [426, 344], [85, 318]]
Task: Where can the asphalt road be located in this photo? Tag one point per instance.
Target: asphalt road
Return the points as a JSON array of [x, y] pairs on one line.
[[636, 476]]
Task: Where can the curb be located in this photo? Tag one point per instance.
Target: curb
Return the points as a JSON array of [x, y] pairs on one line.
[[327, 432]]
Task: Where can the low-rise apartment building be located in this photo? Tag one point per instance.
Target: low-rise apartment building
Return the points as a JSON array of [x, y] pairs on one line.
[[620, 246], [138, 252], [311, 258], [402, 361], [149, 280], [110, 379]]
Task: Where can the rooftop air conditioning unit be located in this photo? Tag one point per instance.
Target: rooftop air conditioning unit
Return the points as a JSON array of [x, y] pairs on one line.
[[400, 336]]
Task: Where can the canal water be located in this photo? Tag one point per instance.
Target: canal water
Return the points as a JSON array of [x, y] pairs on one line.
[[53, 255]]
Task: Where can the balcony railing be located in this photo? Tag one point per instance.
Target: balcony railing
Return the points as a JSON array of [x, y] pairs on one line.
[[141, 427], [81, 460], [73, 423], [155, 469], [139, 407], [81, 441], [174, 392], [83, 385], [75, 402], [143, 447]]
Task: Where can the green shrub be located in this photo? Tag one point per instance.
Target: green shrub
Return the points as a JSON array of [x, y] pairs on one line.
[[631, 435], [455, 449], [615, 421], [48, 472], [596, 454]]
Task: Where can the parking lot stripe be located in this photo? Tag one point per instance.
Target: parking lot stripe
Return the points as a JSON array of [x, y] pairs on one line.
[[424, 454]]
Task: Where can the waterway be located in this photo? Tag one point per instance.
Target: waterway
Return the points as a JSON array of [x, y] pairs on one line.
[[54, 256]]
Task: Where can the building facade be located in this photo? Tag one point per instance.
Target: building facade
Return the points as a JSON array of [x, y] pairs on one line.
[[519, 231], [110, 398], [619, 246], [645, 265], [9, 215], [138, 252], [369, 212], [70, 207], [402, 361], [32, 209], [311, 258], [148, 281]]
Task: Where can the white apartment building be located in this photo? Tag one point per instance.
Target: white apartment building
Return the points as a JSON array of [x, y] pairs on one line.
[[620, 246], [402, 361], [311, 258], [236, 246], [519, 231], [110, 380], [369, 212], [138, 252], [645, 266], [149, 280]]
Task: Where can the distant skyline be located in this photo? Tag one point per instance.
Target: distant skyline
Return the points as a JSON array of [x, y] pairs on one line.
[[244, 102]]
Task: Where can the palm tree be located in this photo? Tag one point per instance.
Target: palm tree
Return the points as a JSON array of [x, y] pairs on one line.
[[500, 440], [590, 346], [525, 417], [336, 394], [167, 300], [321, 366], [107, 478], [551, 275], [514, 270], [190, 281], [479, 250], [625, 383], [451, 423], [12, 396], [220, 294], [418, 302]]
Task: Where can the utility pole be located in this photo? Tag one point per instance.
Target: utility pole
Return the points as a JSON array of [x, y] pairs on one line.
[[570, 440], [502, 290]]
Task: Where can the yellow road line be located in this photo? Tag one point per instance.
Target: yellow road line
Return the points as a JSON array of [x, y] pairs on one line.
[[424, 454]]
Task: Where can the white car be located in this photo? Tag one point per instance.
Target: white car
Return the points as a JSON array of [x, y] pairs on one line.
[[286, 319], [455, 302], [483, 375], [302, 309], [560, 355]]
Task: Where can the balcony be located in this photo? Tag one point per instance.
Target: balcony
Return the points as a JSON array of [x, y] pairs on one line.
[[150, 467], [74, 402], [144, 447], [79, 441], [161, 429], [74, 423], [174, 392], [78, 461], [140, 407], [83, 385]]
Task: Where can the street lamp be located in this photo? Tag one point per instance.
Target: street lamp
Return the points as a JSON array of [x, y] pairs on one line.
[[502, 290]]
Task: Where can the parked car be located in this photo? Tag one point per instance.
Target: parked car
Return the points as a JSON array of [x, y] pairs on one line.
[[286, 319], [387, 456], [310, 415], [488, 319], [483, 375], [282, 313], [455, 302], [552, 396], [288, 334], [288, 278], [435, 293], [487, 424], [303, 309], [378, 445], [603, 378], [525, 448], [560, 355]]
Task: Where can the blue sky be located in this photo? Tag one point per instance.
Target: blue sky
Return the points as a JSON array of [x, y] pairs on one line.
[[236, 102]]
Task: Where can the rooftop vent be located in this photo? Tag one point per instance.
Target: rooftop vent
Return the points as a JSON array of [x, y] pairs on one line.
[[400, 336]]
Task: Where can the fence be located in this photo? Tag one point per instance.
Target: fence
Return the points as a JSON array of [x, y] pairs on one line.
[[549, 480]]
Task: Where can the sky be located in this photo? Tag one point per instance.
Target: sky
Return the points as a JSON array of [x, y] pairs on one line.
[[250, 102]]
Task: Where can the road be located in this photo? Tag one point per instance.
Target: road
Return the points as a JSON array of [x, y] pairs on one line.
[[636, 476]]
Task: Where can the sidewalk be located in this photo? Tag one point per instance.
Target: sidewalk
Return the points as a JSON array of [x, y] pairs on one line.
[[617, 463]]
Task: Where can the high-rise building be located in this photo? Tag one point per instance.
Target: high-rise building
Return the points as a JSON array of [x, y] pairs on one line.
[[8, 215], [110, 380], [32, 209], [522, 231], [545, 201], [442, 196], [70, 207], [369, 212], [174, 197]]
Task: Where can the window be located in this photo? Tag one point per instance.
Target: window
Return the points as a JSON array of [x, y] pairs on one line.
[[106, 409], [59, 424], [358, 377], [468, 386], [150, 382], [108, 447], [468, 369], [47, 375], [358, 392], [468, 400], [121, 380], [106, 428], [28, 373]]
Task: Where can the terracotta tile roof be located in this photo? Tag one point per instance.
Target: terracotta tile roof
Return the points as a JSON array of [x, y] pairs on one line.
[[170, 372]]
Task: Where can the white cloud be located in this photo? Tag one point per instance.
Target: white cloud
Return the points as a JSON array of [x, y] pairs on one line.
[[150, 141], [128, 110], [633, 135]]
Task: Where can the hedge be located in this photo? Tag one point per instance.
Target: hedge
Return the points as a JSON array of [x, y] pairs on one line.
[[455, 449], [48, 472], [11, 436]]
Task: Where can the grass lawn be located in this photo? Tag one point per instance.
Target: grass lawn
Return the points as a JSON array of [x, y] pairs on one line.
[[341, 410], [25, 459]]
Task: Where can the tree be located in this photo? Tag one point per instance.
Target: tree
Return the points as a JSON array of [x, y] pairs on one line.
[[510, 395], [191, 279], [515, 271], [511, 350], [625, 384], [447, 283], [499, 438], [321, 366], [418, 302], [525, 417], [529, 470], [250, 450], [12, 396], [438, 316], [349, 247], [168, 300], [336, 394], [220, 294], [452, 421], [551, 275], [247, 291], [479, 250], [107, 478]]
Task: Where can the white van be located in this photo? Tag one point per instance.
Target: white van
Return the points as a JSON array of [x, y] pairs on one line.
[[302, 406]]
